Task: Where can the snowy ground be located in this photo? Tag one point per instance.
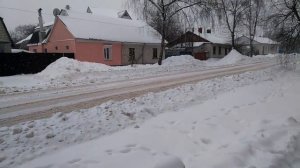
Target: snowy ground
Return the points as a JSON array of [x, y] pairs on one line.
[[244, 121], [241, 114], [66, 72]]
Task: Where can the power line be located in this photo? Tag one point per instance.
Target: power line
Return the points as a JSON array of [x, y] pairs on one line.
[[23, 10]]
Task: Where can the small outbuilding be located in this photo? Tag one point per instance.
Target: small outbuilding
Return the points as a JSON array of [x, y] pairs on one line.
[[202, 46], [6, 42], [262, 45]]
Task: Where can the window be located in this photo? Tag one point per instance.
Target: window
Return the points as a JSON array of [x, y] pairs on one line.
[[155, 52], [226, 51], [107, 52], [67, 47], [208, 31], [56, 48], [131, 54], [200, 30], [220, 50], [214, 50]]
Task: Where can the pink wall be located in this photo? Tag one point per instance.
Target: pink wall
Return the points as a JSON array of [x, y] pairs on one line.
[[62, 41], [35, 48], [94, 52]]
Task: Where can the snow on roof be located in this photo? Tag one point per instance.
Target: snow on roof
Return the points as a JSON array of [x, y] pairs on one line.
[[214, 38], [196, 44], [25, 39], [106, 12], [19, 51], [48, 24], [265, 40], [88, 26]]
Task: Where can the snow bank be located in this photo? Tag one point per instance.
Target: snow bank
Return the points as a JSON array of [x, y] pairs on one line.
[[232, 58], [180, 60], [65, 66]]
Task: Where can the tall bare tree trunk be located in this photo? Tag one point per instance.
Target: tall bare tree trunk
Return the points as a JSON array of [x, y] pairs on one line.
[[233, 40], [162, 45]]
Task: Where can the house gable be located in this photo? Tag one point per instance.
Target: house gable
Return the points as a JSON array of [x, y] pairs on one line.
[[124, 14], [4, 35], [59, 32]]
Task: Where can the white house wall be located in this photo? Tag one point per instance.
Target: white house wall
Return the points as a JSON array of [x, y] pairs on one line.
[[143, 53]]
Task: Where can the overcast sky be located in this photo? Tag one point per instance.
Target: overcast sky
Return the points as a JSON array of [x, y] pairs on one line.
[[18, 12]]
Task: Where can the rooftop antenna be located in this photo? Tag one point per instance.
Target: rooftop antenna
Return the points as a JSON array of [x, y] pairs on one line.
[[56, 12]]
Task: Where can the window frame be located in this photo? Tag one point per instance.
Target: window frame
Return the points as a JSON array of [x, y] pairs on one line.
[[129, 53], [107, 52], [154, 53], [214, 50]]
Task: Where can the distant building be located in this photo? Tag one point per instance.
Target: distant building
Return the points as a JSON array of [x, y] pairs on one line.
[[262, 45], [6, 42], [203, 46], [33, 40]]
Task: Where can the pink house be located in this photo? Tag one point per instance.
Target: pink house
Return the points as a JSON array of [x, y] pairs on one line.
[[101, 39]]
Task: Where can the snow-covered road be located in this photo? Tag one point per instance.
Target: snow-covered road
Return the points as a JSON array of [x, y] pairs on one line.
[[32, 105], [253, 124]]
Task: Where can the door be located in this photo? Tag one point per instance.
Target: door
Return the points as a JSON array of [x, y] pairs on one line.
[[201, 56]]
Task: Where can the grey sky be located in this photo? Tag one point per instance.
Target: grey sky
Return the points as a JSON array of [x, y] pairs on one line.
[[28, 13]]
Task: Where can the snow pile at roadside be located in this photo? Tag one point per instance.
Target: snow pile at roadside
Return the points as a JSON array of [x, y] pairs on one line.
[[180, 60], [29, 140], [67, 66], [233, 57]]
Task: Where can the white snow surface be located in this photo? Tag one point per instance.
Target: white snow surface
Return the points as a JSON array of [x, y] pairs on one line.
[[124, 30], [246, 120], [67, 72], [181, 60], [66, 66], [233, 57], [265, 40]]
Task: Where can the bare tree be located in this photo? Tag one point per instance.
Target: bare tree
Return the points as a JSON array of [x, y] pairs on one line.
[[164, 11], [21, 32], [233, 11], [252, 19], [285, 21]]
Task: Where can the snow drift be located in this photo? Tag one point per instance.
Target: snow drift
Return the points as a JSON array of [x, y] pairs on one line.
[[232, 58], [180, 60], [65, 66]]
